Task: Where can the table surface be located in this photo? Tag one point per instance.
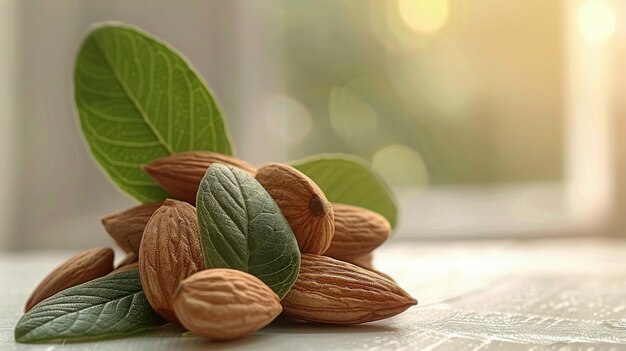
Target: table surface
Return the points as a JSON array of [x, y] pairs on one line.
[[500, 295]]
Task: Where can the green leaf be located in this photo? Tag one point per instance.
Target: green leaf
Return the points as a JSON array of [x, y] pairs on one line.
[[139, 100], [349, 180], [242, 228], [113, 305]]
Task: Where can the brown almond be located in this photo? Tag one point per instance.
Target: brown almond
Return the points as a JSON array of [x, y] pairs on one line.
[[180, 174], [303, 204], [336, 292], [170, 251], [126, 227], [80, 268], [358, 231], [225, 304]]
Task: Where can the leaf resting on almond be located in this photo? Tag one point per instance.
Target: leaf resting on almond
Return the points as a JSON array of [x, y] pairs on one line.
[[242, 228], [111, 306]]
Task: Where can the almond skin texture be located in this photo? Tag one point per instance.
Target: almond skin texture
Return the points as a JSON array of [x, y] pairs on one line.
[[304, 205], [336, 292], [170, 251], [80, 268], [358, 231], [126, 227], [225, 304], [180, 174]]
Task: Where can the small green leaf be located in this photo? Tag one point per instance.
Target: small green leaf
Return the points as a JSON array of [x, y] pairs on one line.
[[242, 228], [350, 180], [138, 100], [113, 305]]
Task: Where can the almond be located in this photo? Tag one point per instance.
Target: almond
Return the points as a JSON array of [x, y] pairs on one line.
[[225, 304], [358, 231], [126, 227], [332, 291], [303, 204], [170, 251], [180, 174], [80, 268]]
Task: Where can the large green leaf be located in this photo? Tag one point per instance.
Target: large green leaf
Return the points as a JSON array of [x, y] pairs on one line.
[[242, 228], [138, 100], [113, 305], [350, 180]]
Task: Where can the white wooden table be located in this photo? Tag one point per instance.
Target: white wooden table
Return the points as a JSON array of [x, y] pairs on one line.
[[534, 295]]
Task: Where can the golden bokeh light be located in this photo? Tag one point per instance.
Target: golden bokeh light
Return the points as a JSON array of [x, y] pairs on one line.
[[426, 16], [596, 20]]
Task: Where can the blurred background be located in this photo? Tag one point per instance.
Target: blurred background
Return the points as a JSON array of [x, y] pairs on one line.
[[488, 118]]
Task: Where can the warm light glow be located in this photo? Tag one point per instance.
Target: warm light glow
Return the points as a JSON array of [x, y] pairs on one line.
[[596, 20], [426, 16]]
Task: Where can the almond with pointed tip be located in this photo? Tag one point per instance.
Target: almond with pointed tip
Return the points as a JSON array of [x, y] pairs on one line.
[[336, 292], [78, 269], [170, 251], [358, 231], [303, 204], [225, 304], [180, 174], [126, 227]]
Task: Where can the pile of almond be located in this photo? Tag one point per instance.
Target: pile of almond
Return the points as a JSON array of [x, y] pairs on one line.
[[336, 284]]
